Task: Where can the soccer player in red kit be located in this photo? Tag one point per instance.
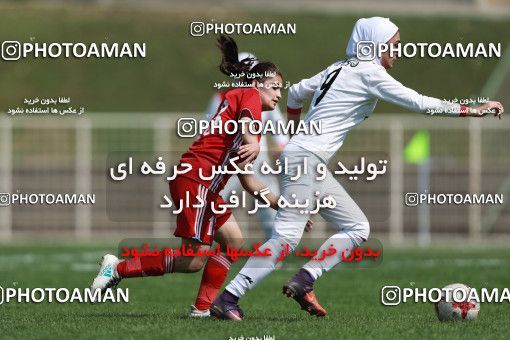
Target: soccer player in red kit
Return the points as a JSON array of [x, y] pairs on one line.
[[199, 227]]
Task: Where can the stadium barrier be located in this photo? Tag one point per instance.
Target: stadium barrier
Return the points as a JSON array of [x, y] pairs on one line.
[[70, 155]]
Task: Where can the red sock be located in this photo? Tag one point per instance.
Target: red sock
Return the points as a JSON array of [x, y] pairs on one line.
[[146, 266], [215, 273]]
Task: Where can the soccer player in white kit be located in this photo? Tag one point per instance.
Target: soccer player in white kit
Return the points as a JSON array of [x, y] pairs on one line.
[[343, 96]]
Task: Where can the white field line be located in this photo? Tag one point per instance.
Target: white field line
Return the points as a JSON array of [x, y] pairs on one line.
[[88, 262]]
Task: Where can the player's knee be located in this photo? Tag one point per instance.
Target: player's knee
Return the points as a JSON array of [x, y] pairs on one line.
[[293, 243], [287, 238], [366, 228], [363, 230], [237, 243], [358, 230], [284, 241], [195, 267], [196, 264]]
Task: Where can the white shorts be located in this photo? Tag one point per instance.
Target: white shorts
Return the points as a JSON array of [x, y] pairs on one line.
[[290, 222]]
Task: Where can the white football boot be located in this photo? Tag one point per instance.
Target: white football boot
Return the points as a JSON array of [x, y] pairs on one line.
[[196, 313], [108, 276]]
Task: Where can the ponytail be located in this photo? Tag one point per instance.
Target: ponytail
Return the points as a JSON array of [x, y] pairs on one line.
[[230, 62]]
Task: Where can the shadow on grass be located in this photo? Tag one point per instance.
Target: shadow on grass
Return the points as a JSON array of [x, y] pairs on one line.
[[114, 314], [255, 318]]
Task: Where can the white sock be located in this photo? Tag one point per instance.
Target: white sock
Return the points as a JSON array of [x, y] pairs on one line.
[[340, 241], [255, 269]]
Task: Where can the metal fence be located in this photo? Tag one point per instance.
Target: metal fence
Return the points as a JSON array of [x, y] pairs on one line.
[[71, 155]]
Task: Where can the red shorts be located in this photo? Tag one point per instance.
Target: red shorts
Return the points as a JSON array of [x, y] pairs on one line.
[[196, 223]]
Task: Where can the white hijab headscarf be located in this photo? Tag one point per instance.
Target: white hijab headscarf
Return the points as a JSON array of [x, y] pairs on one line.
[[376, 29]]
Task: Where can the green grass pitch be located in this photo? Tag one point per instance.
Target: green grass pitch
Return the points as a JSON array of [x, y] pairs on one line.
[[158, 305]]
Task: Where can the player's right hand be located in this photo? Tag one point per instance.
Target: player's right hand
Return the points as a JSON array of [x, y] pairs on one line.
[[248, 152], [489, 107]]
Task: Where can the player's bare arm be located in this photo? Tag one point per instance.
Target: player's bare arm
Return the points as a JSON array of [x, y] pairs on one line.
[[250, 149]]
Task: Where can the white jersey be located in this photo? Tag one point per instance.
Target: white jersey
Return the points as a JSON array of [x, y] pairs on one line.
[[344, 95]]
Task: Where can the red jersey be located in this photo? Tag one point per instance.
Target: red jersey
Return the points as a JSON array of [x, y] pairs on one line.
[[217, 149]]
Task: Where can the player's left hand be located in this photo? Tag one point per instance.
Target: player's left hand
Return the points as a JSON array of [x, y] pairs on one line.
[[309, 226]]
